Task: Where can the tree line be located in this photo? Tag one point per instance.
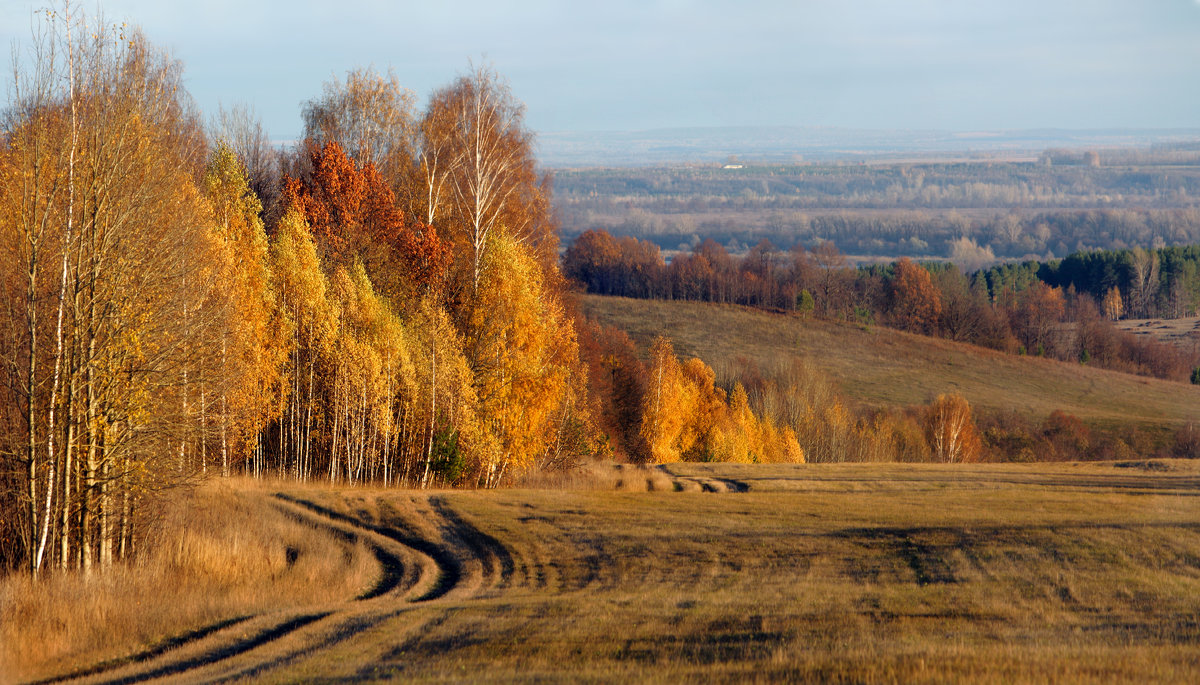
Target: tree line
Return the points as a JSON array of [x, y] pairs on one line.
[[1160, 282], [1063, 309], [1013, 233], [381, 303], [1076, 180], [789, 411], [664, 409]]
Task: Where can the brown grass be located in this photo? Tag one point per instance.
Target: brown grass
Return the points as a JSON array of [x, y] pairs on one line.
[[846, 573], [832, 572], [881, 367], [223, 551], [1183, 332], [605, 476]]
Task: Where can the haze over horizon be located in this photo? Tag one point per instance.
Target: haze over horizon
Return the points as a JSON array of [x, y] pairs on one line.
[[632, 65]]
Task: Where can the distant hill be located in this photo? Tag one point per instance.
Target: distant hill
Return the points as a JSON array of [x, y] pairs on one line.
[[883, 367], [788, 144]]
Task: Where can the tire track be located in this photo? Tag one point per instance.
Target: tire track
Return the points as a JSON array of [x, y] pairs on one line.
[[413, 570], [146, 655], [270, 634], [392, 569], [703, 483], [496, 560], [448, 569]]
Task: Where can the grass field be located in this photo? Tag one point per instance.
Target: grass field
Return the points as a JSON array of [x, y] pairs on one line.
[[1184, 332], [844, 573], [883, 367]]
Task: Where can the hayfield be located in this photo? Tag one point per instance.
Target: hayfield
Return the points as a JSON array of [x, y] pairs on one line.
[[704, 572], [880, 367], [1183, 332]]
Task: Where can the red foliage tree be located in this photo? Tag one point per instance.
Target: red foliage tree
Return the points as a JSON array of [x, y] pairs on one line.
[[353, 215], [617, 384]]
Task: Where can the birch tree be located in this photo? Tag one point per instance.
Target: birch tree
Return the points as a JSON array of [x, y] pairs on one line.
[[115, 290], [490, 165], [522, 355], [950, 430], [372, 117], [252, 348]]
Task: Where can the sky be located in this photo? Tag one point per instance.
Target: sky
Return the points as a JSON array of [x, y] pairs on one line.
[[631, 65]]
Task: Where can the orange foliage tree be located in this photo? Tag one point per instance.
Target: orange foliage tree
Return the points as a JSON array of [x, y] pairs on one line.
[[685, 416], [524, 355], [669, 418], [950, 430], [1039, 308], [617, 384], [916, 303]]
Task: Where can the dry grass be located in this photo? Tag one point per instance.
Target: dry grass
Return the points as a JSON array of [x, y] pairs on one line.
[[832, 572], [845, 573], [225, 551], [1183, 332], [604, 475], [881, 367]]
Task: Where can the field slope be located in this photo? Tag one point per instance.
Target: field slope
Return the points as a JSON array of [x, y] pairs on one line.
[[846, 572], [880, 367]]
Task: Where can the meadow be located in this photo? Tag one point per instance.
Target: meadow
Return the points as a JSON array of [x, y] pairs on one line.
[[697, 572], [1184, 332]]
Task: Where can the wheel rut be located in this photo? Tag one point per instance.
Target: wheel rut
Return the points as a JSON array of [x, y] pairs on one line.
[[703, 483], [497, 562], [416, 567]]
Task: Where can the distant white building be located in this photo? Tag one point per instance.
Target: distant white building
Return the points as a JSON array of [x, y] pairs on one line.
[[732, 166]]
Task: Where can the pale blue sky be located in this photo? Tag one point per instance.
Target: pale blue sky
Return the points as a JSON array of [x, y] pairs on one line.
[[642, 64]]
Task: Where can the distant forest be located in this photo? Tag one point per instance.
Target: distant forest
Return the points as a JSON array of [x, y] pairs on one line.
[[972, 213], [1062, 308]]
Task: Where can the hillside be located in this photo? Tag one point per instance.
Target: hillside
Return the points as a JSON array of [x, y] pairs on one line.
[[878, 366]]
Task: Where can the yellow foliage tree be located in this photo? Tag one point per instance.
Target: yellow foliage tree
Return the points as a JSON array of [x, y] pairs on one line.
[[440, 429], [253, 347], [686, 417], [523, 351], [1114, 306], [302, 293]]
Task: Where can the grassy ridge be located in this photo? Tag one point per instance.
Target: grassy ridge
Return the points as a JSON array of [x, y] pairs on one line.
[[879, 367]]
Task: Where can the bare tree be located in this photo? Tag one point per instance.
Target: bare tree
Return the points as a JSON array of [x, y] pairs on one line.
[[241, 128], [371, 116], [492, 161], [1144, 284]]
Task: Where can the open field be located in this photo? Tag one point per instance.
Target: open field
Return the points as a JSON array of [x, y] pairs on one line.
[[881, 367], [1184, 332], [848, 573]]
